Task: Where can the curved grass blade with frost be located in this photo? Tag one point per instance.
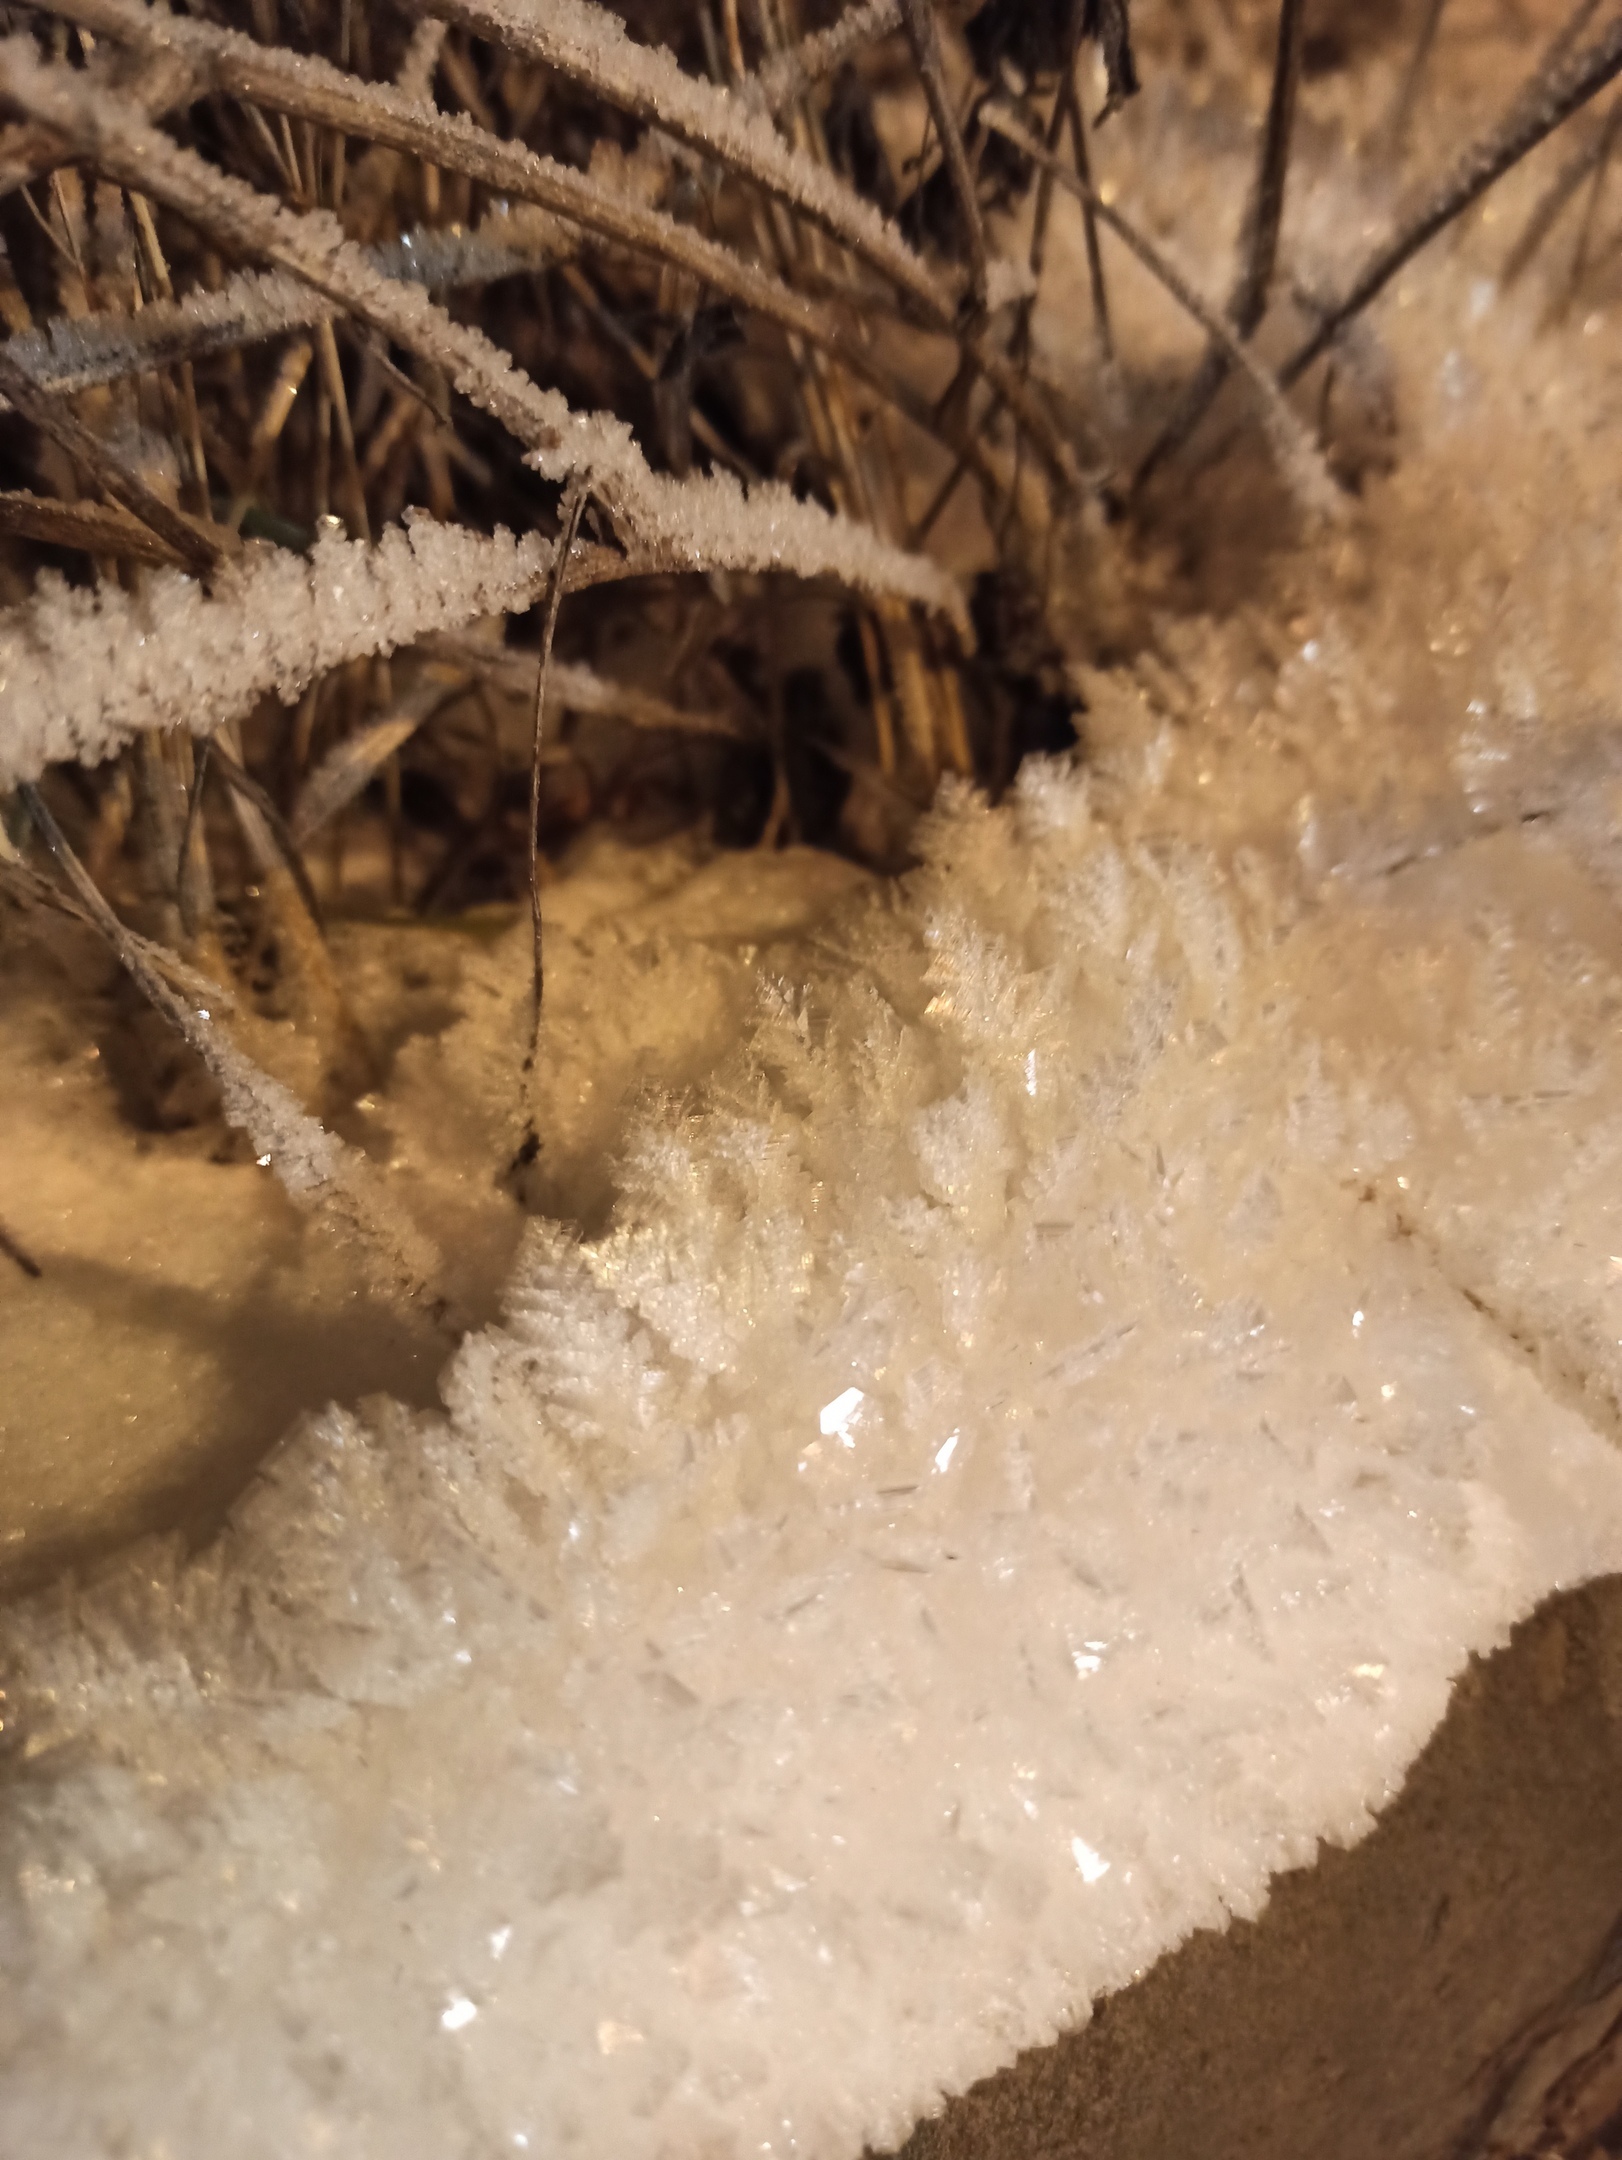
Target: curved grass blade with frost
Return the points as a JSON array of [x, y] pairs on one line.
[[314, 1165], [590, 49], [311, 89], [696, 523], [71, 353]]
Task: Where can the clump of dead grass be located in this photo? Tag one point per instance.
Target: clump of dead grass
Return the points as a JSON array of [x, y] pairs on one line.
[[354, 352]]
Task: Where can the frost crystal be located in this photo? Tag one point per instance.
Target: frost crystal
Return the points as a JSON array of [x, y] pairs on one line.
[[82, 671], [992, 1496]]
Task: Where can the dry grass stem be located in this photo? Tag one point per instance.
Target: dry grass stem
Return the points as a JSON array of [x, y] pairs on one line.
[[312, 1163], [190, 542], [312, 246], [312, 89], [95, 528], [1264, 218], [574, 505], [786, 77], [1561, 87], [1300, 462]]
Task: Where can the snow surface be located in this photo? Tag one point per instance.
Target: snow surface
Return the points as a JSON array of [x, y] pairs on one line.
[[996, 1492]]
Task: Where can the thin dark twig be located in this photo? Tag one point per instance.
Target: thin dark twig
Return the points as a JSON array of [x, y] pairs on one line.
[[1550, 205], [1297, 453], [14, 1251], [923, 35], [787, 76], [574, 504], [1044, 186], [920, 532], [1554, 93], [1067, 111], [188, 837], [1585, 232], [1264, 217], [105, 471], [1570, 31], [129, 948], [1095, 255], [1408, 96], [249, 789]]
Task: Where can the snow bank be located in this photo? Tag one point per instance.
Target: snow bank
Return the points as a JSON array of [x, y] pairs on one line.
[[995, 1493], [1023, 1462]]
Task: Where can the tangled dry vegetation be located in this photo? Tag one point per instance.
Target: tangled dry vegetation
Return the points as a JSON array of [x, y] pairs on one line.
[[355, 349]]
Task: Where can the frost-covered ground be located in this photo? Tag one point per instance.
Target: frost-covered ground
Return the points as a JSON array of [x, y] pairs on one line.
[[1071, 1357]]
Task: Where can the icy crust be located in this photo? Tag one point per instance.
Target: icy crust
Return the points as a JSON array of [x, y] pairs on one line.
[[995, 1494]]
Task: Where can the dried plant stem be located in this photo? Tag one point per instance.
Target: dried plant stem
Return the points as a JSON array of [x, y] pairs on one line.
[[1550, 205], [190, 542], [244, 784], [97, 528], [158, 272], [29, 152], [312, 246], [1571, 30], [310, 89], [1264, 215], [571, 687], [1609, 134], [923, 34], [19, 1254], [193, 855], [1562, 86], [313, 1164], [332, 377], [1413, 75], [1264, 218], [591, 51], [29, 890], [574, 504], [734, 38], [786, 77], [647, 367], [70, 354], [1298, 456], [415, 76], [1071, 99]]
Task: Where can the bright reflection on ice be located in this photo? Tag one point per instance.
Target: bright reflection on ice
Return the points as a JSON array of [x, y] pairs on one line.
[[457, 2013], [1091, 1866], [945, 1452], [1089, 1658], [611, 2037], [840, 1415]]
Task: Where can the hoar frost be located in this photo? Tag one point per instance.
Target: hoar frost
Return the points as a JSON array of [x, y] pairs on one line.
[[992, 1496]]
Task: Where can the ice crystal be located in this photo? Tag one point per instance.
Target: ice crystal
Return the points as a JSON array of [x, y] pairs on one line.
[[992, 1496]]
